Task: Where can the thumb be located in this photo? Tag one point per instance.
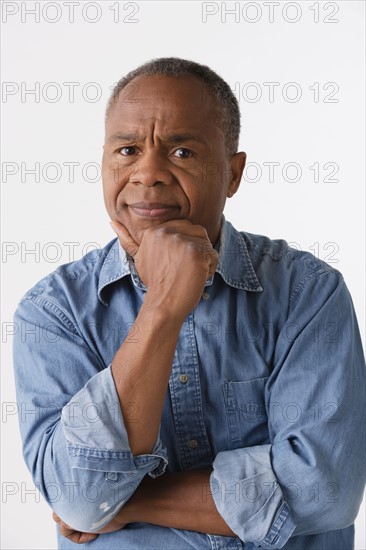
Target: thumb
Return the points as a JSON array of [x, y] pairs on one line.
[[127, 242]]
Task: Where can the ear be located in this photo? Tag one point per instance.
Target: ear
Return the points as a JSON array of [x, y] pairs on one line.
[[237, 164]]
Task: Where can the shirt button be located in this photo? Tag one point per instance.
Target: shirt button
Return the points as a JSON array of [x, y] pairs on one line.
[[193, 443], [183, 378], [205, 296]]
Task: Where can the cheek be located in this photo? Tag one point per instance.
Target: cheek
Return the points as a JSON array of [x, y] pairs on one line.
[[116, 174], [207, 196], [110, 191], [113, 181]]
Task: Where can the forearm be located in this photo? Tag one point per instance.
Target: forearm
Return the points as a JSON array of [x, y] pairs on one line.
[[141, 371], [180, 500], [174, 259]]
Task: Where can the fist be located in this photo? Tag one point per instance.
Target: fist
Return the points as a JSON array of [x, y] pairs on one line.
[[174, 261]]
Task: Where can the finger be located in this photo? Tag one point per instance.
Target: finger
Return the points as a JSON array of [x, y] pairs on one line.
[[213, 261], [185, 227], [75, 536], [80, 538], [129, 245], [86, 537], [209, 255], [65, 529]]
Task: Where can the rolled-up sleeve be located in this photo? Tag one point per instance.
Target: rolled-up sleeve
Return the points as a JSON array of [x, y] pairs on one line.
[[310, 477], [248, 497], [95, 432], [75, 442]]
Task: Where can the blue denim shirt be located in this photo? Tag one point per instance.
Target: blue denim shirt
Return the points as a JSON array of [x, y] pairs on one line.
[[267, 388]]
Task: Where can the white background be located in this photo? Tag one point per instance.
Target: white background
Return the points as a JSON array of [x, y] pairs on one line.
[[322, 128]]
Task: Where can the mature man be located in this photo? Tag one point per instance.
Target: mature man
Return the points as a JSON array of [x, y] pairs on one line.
[[226, 366]]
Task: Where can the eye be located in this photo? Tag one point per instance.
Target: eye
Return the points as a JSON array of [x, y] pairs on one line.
[[127, 151], [183, 153]]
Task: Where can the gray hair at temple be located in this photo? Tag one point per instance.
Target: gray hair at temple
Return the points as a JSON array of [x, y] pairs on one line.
[[227, 107]]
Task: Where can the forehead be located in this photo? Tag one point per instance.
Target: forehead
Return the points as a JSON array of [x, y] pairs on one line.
[[170, 101]]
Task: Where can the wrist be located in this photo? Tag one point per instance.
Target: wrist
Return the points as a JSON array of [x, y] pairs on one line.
[[162, 313], [134, 507], [129, 512]]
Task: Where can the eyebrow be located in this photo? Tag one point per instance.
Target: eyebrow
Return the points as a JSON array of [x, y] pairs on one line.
[[172, 138], [123, 137], [176, 138]]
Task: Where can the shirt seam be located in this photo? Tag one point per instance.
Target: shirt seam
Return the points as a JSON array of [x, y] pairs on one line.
[[321, 270], [275, 530], [40, 301]]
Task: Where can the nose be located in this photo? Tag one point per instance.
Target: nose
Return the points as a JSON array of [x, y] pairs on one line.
[[150, 169]]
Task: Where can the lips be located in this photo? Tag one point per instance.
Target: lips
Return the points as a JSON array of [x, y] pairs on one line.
[[153, 209]]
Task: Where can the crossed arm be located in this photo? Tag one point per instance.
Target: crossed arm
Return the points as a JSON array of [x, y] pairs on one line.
[[180, 500]]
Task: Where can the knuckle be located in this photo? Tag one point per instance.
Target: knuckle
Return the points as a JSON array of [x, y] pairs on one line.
[[176, 238], [161, 232], [193, 247]]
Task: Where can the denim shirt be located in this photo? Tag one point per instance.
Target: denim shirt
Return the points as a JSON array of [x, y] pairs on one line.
[[267, 389]]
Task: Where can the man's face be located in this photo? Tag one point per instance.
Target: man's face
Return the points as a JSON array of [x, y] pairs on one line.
[[165, 158]]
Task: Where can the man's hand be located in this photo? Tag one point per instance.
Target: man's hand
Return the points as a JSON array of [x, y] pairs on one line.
[[174, 261], [75, 536], [79, 537]]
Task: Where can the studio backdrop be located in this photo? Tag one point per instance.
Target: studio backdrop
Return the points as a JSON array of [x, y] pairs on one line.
[[297, 70]]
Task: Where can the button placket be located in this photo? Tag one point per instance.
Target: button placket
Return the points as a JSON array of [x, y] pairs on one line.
[[186, 401]]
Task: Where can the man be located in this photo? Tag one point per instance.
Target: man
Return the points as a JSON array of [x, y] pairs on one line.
[[226, 366]]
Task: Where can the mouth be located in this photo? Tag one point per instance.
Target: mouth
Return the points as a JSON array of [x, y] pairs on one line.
[[153, 210]]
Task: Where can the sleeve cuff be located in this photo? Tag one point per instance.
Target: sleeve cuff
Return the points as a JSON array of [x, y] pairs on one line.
[[280, 531], [248, 497], [96, 436]]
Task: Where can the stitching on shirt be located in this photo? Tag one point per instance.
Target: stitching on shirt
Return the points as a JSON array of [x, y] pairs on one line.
[[251, 283], [265, 505], [85, 265], [60, 314], [320, 270], [110, 454], [40, 301], [270, 250], [115, 250], [274, 532], [97, 454]]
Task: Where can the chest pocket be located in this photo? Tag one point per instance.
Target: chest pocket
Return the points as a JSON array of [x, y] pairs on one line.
[[246, 413]]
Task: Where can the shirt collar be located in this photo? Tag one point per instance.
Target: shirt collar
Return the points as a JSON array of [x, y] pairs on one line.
[[234, 266], [115, 266]]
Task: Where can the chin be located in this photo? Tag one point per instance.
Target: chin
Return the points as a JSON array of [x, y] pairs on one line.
[[137, 231]]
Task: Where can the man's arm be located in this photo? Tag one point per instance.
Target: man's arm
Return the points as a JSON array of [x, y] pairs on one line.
[[174, 261], [180, 500], [61, 382]]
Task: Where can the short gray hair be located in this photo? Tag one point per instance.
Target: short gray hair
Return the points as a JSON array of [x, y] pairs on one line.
[[228, 113]]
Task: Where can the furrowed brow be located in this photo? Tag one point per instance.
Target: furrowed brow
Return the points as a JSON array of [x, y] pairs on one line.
[[171, 138], [123, 137], [177, 138]]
